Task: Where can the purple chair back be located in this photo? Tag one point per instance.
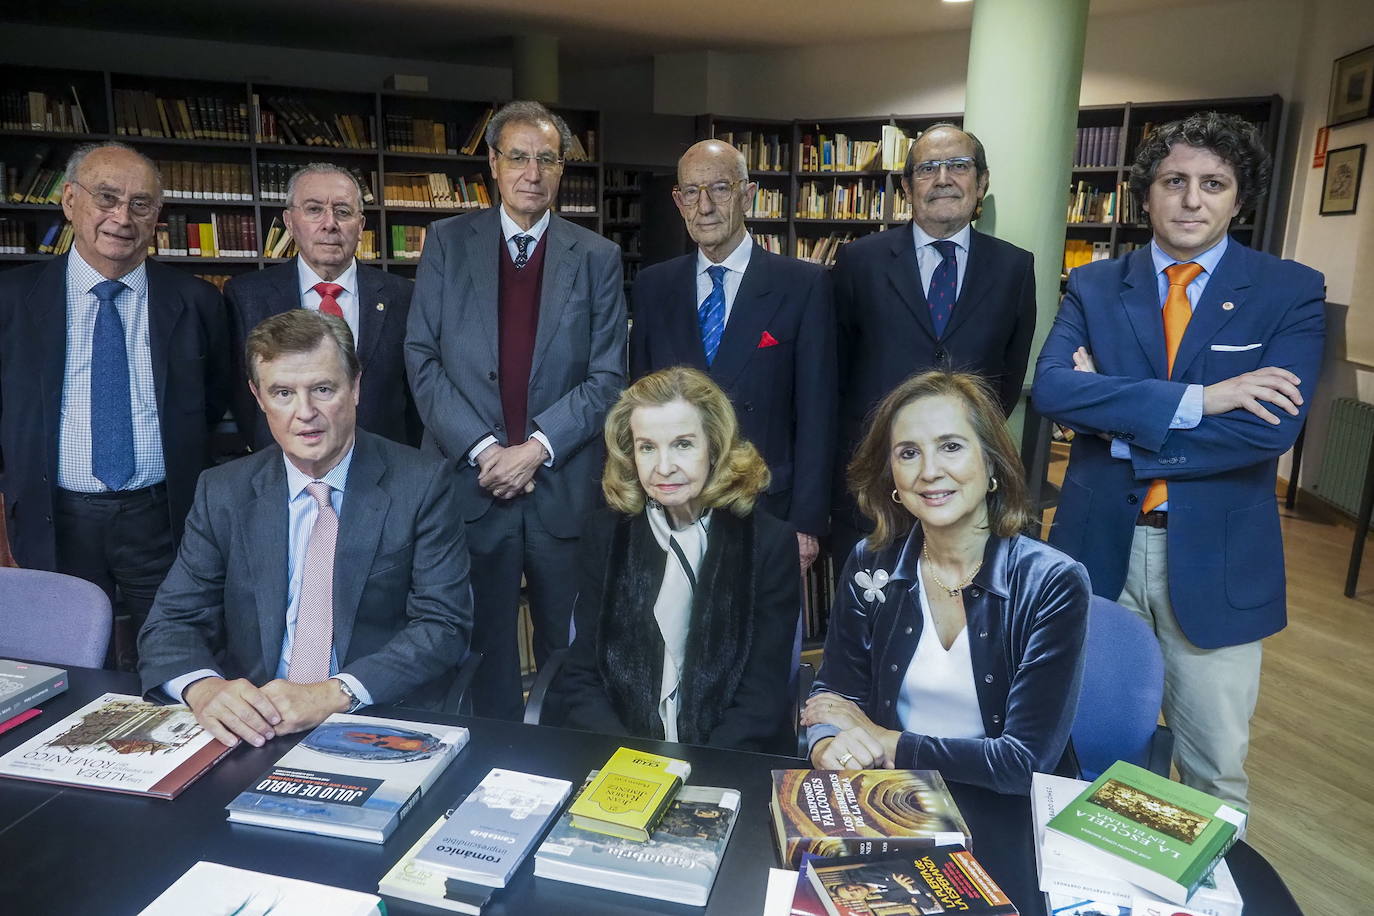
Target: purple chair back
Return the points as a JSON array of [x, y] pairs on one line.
[[50, 617]]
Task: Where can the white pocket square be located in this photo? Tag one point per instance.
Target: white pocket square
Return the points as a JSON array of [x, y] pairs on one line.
[[1235, 348]]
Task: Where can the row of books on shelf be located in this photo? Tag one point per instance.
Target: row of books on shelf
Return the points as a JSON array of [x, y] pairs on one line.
[[1097, 146], [435, 190], [406, 134], [624, 179], [769, 241], [144, 113], [223, 235], [822, 249], [187, 180], [407, 242], [38, 111], [275, 177], [1091, 204], [860, 199], [622, 209], [1078, 252], [35, 182], [302, 123], [578, 194], [17, 236], [838, 153], [763, 152], [768, 203]]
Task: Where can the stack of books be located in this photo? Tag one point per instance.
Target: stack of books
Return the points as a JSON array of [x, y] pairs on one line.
[[23, 685], [1134, 841]]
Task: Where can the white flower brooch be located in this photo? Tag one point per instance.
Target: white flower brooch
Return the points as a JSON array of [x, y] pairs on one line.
[[872, 583]]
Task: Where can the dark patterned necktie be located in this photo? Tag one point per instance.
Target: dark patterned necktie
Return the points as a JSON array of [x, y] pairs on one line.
[[522, 242], [944, 286], [112, 417]]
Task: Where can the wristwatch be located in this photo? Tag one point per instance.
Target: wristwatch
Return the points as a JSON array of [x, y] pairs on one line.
[[354, 704]]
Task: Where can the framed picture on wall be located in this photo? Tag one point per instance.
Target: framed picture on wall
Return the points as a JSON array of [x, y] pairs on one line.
[[1352, 87], [1341, 181]]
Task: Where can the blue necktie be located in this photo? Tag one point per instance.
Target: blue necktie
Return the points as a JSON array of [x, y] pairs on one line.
[[522, 255], [944, 287], [711, 313], [112, 419]]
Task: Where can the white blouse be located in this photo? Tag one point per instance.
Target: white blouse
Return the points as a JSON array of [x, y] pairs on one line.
[[673, 608], [938, 697]]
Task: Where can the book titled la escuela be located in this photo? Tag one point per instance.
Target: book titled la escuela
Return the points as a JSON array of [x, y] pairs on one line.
[[630, 795], [353, 776]]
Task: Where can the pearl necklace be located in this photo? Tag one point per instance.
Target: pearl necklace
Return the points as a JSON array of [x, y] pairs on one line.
[[930, 568]]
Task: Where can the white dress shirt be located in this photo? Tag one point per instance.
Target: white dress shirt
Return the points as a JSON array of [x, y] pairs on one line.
[[348, 299], [928, 257], [735, 264]]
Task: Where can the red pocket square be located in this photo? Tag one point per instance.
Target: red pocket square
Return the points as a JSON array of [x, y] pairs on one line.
[[767, 340]]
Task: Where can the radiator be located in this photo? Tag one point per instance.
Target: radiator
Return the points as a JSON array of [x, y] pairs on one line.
[[1348, 439]]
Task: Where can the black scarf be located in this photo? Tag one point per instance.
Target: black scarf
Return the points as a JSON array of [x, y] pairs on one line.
[[630, 647]]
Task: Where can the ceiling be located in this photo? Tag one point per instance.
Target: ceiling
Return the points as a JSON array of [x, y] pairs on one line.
[[589, 30]]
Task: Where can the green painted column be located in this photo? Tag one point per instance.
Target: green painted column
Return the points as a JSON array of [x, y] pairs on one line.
[[1025, 65], [535, 68]]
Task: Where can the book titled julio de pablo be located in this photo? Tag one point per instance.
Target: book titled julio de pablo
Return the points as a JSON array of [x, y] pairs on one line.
[[353, 777]]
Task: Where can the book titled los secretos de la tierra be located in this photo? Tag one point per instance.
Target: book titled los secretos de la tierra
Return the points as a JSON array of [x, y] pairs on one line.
[[862, 812], [121, 744], [630, 794], [941, 879], [353, 777]]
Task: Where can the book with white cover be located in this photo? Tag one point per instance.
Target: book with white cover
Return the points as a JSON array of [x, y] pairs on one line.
[[1064, 875], [119, 743], [208, 887], [411, 880]]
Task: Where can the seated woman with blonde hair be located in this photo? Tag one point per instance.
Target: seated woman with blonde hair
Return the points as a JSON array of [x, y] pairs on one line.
[[689, 596], [955, 642]]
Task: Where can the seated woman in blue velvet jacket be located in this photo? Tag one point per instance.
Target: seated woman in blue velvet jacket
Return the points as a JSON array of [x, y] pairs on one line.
[[689, 596], [955, 642]]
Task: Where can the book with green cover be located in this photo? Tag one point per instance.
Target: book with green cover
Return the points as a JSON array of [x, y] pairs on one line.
[[630, 795], [1156, 833]]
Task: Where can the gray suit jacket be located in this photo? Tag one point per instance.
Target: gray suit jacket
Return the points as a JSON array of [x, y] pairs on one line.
[[402, 605], [577, 372]]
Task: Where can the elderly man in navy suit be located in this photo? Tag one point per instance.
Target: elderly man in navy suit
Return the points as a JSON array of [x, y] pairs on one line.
[[762, 326], [1186, 367]]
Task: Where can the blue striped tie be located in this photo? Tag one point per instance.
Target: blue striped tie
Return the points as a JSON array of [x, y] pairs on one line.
[[943, 286], [112, 420], [711, 313]]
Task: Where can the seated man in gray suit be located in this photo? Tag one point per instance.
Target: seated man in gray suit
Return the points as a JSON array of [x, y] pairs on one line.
[[316, 577]]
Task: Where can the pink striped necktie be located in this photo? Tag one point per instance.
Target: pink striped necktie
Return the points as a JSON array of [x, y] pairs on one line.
[[313, 640]]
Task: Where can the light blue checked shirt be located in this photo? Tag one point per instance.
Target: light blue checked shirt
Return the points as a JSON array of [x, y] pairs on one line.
[[74, 436]]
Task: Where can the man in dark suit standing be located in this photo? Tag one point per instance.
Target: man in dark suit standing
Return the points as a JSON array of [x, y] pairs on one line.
[[516, 351], [935, 294], [1186, 367], [324, 212], [319, 575], [113, 369], [762, 326]]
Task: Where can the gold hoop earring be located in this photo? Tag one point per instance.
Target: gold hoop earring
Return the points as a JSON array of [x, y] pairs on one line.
[[895, 498], [993, 487]]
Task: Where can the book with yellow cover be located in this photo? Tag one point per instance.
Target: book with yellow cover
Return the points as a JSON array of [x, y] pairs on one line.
[[630, 795]]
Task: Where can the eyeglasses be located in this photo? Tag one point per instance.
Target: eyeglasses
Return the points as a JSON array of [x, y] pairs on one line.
[[315, 212], [720, 192], [959, 165], [139, 207], [518, 162]]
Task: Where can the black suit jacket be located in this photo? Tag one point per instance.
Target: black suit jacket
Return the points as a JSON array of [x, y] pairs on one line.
[[188, 337], [402, 605], [385, 406], [782, 387], [886, 335]]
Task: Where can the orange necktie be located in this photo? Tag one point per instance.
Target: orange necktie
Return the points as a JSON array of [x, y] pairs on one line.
[[1177, 314]]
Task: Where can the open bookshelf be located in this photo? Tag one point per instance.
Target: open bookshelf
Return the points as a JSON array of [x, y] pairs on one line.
[[227, 148]]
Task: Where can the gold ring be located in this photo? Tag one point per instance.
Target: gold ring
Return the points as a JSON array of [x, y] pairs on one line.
[[844, 761]]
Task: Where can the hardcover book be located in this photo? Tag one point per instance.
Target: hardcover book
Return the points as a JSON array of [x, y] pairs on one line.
[[862, 813], [411, 880], [492, 831], [24, 685], [120, 744], [942, 879], [1156, 833], [1067, 878], [208, 887], [353, 777], [630, 794], [677, 863]]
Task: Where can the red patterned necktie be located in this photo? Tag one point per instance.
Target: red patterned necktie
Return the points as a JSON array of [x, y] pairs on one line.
[[329, 302], [314, 637]]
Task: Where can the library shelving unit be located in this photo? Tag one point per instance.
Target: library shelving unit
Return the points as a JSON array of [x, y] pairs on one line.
[[226, 148]]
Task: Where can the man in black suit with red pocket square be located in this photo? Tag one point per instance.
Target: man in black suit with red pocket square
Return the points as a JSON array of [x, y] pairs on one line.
[[762, 326]]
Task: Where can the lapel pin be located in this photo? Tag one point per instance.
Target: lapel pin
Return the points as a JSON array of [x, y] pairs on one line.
[[382, 306], [1225, 306]]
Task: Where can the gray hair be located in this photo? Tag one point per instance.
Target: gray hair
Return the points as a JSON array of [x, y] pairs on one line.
[[980, 156], [528, 112], [321, 168], [78, 158]]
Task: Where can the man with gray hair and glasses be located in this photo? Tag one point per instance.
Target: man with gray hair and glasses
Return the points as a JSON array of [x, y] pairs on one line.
[[516, 351], [324, 213], [113, 370]]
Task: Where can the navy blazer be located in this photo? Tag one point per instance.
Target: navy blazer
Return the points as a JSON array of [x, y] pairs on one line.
[[385, 406], [402, 606], [188, 337], [782, 387], [1226, 575], [1027, 612]]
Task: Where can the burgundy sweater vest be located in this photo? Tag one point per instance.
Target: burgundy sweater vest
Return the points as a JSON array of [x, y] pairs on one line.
[[518, 321]]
